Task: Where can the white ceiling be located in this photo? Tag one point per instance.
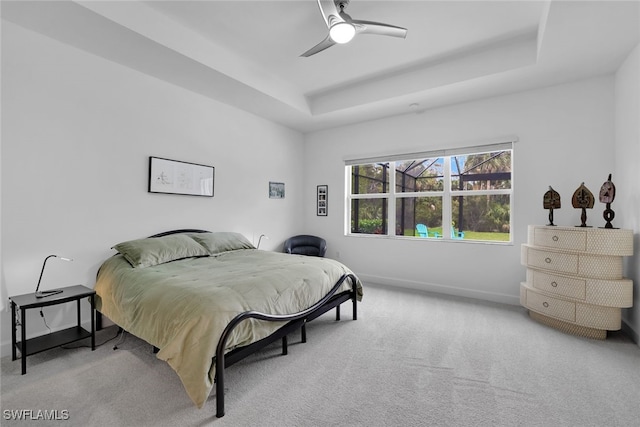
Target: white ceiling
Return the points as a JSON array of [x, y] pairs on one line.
[[246, 53]]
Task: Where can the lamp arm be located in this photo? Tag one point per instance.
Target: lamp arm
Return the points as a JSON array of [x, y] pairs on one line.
[[260, 240], [42, 271]]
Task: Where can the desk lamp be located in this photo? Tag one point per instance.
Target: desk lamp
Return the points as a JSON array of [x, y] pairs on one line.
[[42, 294], [260, 240]]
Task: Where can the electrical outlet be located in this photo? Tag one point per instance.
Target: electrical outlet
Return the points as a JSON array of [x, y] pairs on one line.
[[337, 254]]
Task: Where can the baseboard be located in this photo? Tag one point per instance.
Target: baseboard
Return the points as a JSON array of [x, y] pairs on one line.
[[442, 289], [5, 349], [630, 332]]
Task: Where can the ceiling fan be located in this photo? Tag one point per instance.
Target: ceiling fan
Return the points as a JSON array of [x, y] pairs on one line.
[[342, 28]]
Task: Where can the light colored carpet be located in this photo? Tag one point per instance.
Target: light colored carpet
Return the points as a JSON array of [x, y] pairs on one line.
[[411, 359]]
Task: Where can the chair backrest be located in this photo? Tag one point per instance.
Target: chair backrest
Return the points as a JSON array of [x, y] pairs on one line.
[[456, 235], [305, 244], [422, 230]]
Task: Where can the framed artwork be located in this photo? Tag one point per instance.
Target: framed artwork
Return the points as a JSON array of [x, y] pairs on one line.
[[276, 190], [177, 177], [322, 200]]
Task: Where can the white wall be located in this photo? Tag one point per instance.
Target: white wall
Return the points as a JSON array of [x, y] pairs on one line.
[[627, 166], [565, 137], [77, 132]]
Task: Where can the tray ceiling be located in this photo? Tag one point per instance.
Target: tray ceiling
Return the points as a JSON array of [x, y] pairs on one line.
[[246, 53]]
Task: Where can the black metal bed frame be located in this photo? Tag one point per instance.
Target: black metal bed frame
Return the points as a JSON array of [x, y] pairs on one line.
[[294, 322]]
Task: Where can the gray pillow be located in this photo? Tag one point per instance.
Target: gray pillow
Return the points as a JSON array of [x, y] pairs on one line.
[[222, 241], [158, 250]]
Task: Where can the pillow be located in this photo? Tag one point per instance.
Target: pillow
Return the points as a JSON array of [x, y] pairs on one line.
[[158, 250], [219, 242]]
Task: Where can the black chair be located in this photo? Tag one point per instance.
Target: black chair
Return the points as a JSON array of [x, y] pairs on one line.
[[305, 244]]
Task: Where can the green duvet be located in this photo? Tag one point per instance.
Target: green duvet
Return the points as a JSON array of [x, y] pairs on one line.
[[183, 306]]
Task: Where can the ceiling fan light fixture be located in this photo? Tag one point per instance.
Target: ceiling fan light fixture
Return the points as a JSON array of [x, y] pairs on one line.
[[342, 28], [342, 32]]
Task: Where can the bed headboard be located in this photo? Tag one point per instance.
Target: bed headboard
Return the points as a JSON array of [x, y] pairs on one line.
[[184, 230]]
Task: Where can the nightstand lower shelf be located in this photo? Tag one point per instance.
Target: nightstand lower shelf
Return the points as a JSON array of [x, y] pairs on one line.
[[54, 339]]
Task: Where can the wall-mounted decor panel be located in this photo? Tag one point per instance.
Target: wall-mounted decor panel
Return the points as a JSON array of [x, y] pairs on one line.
[[177, 177]]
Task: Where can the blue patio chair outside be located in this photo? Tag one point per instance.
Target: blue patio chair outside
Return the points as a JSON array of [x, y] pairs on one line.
[[454, 234], [422, 230]]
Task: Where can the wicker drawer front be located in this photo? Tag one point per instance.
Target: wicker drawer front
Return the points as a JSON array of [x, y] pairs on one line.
[[594, 316], [600, 267], [571, 239], [609, 293], [573, 287], [575, 264], [599, 241], [555, 261], [550, 306], [582, 314]]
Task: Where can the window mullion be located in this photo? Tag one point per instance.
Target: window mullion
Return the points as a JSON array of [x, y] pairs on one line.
[[347, 199], [391, 203], [370, 196], [446, 199], [455, 193]]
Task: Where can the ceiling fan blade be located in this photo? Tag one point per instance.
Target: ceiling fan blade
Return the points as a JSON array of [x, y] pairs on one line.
[[370, 27], [329, 12], [324, 44], [322, 12]]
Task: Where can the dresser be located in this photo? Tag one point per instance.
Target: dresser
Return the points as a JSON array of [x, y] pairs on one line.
[[575, 278]]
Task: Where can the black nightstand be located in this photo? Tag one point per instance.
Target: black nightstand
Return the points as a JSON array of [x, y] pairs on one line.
[[35, 345]]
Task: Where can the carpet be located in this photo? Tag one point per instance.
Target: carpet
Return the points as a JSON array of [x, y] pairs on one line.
[[411, 359]]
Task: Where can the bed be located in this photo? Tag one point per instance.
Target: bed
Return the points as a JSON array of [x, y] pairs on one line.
[[205, 300]]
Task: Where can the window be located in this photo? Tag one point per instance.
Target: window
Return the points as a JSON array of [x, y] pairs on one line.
[[463, 194], [369, 212]]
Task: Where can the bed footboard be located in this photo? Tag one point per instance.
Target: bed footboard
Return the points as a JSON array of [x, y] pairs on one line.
[[295, 321]]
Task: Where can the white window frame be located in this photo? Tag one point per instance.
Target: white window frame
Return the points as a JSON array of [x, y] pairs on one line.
[[447, 194]]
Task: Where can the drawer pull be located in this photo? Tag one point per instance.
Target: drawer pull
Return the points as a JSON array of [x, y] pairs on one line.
[[555, 238], [545, 304], [547, 260], [554, 284]]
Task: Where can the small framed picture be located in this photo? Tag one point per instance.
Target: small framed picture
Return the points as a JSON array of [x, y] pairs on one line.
[[276, 190], [323, 199]]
